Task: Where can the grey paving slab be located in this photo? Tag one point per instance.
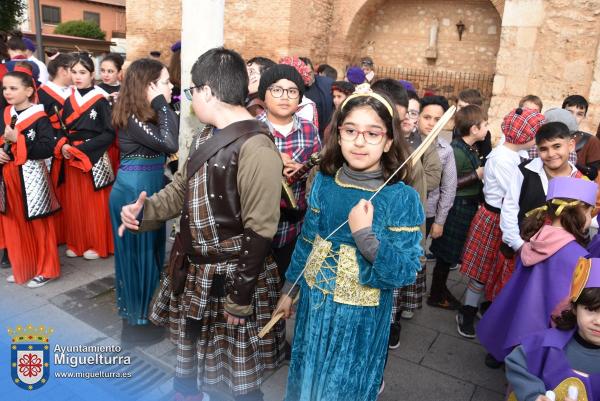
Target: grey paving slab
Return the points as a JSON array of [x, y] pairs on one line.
[[405, 380], [274, 387], [415, 341], [482, 394], [463, 359]]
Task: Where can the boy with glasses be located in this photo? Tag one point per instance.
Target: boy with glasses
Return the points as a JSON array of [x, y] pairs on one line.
[[281, 89]]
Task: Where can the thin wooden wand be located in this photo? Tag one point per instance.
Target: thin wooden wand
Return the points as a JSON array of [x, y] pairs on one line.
[[413, 158]]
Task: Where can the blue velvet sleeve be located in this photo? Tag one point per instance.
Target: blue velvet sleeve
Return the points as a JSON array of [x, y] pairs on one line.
[[310, 229], [399, 233]]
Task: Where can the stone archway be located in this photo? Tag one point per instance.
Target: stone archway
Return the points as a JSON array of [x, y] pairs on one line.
[[355, 18]]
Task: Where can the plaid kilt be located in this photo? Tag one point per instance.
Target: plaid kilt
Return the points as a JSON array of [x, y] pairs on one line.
[[449, 246], [207, 347], [502, 272], [482, 245], [409, 297]]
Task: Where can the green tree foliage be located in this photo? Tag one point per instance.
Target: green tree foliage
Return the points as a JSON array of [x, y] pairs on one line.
[[82, 29], [11, 14]]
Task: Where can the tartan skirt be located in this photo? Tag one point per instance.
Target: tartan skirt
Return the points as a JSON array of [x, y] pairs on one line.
[[482, 245], [449, 246], [500, 275], [207, 347], [409, 297]]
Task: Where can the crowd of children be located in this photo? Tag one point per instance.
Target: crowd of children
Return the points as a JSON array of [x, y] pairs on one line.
[[262, 228]]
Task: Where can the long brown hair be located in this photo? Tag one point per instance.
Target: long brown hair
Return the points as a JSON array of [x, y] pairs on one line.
[[333, 159], [132, 96], [572, 219]]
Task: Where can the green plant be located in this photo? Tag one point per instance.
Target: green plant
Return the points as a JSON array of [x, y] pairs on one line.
[[82, 29], [12, 12]]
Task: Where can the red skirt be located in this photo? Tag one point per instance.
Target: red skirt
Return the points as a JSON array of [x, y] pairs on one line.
[[86, 214], [482, 245], [502, 272], [31, 245]]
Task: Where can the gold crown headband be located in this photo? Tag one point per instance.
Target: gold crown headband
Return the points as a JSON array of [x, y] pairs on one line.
[[562, 205], [365, 90]]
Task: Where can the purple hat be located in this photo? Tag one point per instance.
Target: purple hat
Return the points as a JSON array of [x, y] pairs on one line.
[[408, 85], [29, 44], [572, 188], [176, 46], [586, 275], [356, 75]]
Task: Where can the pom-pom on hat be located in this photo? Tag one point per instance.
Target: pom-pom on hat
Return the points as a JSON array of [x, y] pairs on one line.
[[585, 275], [572, 188], [29, 44], [356, 75], [299, 65], [521, 125], [277, 72], [176, 46]]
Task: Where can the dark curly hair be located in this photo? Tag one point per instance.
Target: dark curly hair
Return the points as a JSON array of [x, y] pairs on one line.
[[572, 219], [333, 159], [589, 299]]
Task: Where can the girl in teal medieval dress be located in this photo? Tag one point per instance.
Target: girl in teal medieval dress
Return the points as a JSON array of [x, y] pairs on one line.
[[341, 334]]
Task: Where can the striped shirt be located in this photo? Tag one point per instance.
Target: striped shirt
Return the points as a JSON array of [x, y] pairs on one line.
[[440, 200]]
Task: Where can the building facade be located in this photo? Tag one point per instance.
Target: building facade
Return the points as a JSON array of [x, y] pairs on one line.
[[549, 48], [108, 14]]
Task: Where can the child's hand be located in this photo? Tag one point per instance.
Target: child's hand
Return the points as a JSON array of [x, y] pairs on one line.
[[437, 230], [152, 92], [64, 150], [10, 134], [4, 158], [285, 305], [129, 215], [361, 216], [479, 172]]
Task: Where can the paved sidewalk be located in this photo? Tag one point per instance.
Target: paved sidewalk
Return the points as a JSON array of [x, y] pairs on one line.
[[433, 362]]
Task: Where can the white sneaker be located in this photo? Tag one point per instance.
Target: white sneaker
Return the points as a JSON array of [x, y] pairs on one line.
[[38, 281], [90, 255], [70, 254], [381, 387], [10, 279], [407, 314]]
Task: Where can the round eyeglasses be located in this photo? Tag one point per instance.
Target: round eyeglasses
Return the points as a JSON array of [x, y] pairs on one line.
[[277, 92]]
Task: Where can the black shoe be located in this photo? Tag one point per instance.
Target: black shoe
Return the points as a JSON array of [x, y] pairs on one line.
[[394, 341], [465, 321], [492, 362], [452, 299], [430, 257], [5, 263], [483, 307], [443, 303]]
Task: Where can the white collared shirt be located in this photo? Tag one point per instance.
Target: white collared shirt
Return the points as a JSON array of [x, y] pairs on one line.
[[509, 221], [498, 173]]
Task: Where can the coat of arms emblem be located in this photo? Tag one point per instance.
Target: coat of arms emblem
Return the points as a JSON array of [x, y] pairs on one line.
[[30, 356]]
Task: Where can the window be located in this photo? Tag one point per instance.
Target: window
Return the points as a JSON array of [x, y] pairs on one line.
[[118, 35], [91, 17], [50, 15]]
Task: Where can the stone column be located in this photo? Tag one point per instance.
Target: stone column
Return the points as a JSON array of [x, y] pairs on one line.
[[520, 24], [202, 29]]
